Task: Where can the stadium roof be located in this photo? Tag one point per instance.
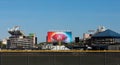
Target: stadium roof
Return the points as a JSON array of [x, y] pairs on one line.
[[107, 33]]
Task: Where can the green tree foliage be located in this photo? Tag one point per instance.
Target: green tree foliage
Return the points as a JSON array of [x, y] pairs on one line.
[[3, 46]]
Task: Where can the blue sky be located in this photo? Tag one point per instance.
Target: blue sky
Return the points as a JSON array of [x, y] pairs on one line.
[[41, 16]]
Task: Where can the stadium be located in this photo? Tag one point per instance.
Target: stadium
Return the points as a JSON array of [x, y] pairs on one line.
[[21, 49]]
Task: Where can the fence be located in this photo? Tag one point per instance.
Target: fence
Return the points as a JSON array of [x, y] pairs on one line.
[[60, 58]]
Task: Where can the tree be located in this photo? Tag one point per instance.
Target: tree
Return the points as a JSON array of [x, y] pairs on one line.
[[3, 46], [0, 44]]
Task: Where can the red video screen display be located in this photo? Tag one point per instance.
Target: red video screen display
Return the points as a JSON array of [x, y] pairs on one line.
[[59, 36]]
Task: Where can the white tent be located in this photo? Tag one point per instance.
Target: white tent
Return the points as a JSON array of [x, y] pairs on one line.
[[60, 48]]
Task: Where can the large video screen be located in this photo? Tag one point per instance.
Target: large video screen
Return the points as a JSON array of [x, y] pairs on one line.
[[59, 36]]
